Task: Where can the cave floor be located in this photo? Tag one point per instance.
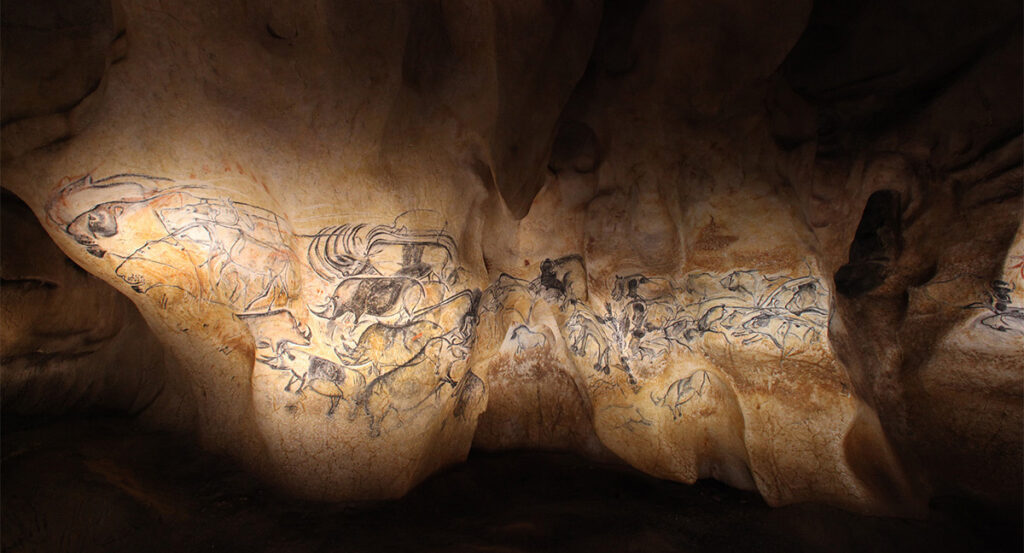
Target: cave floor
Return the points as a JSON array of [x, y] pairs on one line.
[[102, 484]]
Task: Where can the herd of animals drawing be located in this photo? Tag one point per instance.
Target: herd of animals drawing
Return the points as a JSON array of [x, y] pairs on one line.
[[396, 326]]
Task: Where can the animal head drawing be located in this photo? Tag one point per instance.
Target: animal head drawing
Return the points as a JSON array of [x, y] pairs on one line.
[[99, 222], [88, 209], [275, 332]]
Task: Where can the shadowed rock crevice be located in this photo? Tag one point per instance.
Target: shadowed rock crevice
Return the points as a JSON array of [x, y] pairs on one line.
[[876, 245]]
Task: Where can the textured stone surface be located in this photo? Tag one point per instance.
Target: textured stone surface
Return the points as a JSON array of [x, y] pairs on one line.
[[160, 494], [369, 236]]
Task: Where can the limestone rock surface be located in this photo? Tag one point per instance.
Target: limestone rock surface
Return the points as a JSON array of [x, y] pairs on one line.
[[365, 237]]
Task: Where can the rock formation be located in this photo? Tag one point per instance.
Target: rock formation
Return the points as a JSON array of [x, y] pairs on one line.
[[781, 247]]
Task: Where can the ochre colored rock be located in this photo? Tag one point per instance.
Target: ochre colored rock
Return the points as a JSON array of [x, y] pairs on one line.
[[371, 236]]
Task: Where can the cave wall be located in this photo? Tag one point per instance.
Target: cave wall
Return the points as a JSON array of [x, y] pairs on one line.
[[776, 245]]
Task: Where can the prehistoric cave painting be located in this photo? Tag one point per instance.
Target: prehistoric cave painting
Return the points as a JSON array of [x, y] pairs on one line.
[[164, 235], [392, 330], [999, 312], [647, 318], [398, 314], [782, 310], [275, 334], [681, 392], [561, 283], [399, 320], [88, 209], [280, 343], [522, 338], [631, 418]]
